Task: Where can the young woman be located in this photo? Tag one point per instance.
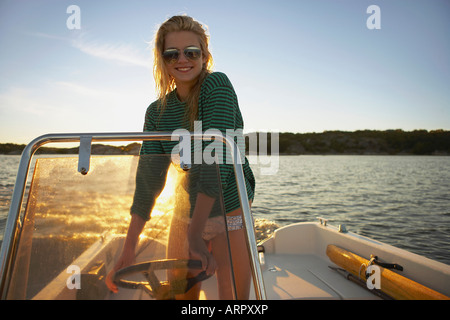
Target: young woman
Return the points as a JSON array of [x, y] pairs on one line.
[[189, 91]]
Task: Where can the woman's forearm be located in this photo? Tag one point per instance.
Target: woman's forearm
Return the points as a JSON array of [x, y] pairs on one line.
[[203, 207], [137, 224], [197, 246]]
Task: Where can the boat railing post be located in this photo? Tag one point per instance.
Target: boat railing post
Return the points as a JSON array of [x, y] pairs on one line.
[[249, 227], [11, 235]]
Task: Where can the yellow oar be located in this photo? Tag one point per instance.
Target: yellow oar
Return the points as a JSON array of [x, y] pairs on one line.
[[391, 283]]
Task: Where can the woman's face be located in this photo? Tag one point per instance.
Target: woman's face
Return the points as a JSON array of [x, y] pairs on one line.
[[185, 71]]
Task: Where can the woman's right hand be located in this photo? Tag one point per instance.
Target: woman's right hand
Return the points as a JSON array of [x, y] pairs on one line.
[[126, 259], [128, 256]]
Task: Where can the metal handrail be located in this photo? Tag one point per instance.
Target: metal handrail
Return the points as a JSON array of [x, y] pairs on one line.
[[12, 230]]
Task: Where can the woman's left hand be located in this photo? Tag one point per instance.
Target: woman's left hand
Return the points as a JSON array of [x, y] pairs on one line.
[[199, 251]]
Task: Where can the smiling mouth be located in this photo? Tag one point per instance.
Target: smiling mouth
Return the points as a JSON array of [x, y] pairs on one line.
[[184, 69]]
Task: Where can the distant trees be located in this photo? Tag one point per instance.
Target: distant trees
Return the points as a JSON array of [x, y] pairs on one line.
[[394, 142], [419, 142]]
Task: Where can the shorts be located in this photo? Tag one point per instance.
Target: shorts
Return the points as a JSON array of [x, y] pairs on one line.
[[216, 225]]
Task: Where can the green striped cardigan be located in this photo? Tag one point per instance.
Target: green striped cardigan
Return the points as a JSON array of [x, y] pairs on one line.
[[218, 109]]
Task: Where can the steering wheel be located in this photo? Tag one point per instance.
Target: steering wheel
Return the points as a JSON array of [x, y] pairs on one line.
[[161, 290]]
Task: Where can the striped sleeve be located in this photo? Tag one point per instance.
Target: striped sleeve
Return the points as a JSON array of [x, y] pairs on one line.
[[151, 147], [150, 180], [219, 111], [151, 172]]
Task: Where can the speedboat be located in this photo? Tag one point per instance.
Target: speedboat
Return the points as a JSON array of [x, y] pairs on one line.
[[69, 217]]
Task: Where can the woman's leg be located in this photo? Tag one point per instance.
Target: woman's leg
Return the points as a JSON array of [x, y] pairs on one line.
[[220, 251], [240, 259], [241, 263]]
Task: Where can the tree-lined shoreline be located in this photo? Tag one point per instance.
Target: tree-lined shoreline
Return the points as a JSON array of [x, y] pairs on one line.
[[362, 142]]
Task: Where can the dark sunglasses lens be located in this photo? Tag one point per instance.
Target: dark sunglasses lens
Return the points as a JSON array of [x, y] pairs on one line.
[[170, 56], [192, 53]]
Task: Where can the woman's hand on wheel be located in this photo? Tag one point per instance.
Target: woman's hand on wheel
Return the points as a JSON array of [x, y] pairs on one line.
[[126, 259], [199, 251]]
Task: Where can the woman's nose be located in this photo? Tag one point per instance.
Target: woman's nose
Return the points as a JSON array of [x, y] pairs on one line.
[[182, 58]]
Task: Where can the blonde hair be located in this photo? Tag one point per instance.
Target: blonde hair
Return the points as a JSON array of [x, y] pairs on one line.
[[164, 82]]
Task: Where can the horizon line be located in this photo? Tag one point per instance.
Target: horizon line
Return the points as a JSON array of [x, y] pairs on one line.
[[274, 131]]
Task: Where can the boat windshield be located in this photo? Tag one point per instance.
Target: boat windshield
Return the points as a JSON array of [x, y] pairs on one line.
[[74, 228]]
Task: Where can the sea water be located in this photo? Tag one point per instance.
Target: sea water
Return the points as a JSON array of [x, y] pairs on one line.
[[400, 200]]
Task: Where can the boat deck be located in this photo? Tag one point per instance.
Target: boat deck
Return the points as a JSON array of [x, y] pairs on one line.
[[296, 265], [286, 277], [307, 276]]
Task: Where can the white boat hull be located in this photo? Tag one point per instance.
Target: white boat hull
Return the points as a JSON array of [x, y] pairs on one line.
[[296, 266]]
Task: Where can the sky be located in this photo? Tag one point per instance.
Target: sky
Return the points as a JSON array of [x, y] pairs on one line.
[[296, 66]]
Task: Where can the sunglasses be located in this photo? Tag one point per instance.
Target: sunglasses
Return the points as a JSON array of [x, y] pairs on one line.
[[172, 55]]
